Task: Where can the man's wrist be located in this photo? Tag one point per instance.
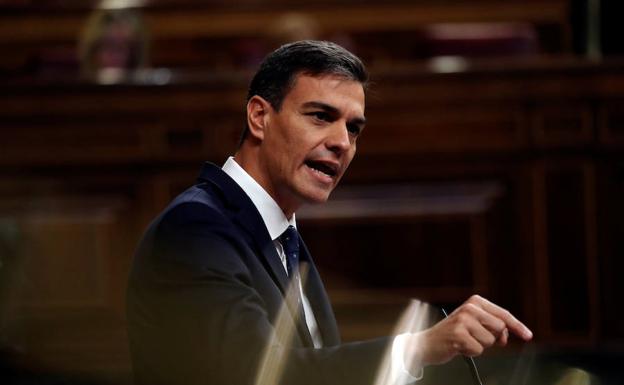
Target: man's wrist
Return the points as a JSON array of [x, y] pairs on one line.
[[406, 362]]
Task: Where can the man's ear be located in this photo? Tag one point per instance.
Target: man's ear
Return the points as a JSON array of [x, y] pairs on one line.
[[258, 115]]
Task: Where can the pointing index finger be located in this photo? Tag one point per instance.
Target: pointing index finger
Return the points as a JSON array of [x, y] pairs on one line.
[[515, 326]]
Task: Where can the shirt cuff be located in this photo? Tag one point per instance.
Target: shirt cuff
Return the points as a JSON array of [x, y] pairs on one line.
[[400, 374]]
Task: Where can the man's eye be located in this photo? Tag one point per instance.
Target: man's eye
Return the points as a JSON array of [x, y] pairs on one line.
[[320, 115], [354, 129]]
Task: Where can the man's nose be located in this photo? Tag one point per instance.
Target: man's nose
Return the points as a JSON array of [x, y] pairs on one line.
[[339, 140]]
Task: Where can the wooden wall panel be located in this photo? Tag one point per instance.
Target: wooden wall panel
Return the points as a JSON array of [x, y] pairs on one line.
[[564, 124], [567, 256], [461, 127], [65, 295], [504, 181], [611, 124], [76, 141], [610, 209]]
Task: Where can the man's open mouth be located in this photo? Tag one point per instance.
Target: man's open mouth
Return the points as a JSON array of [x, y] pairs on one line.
[[328, 169]]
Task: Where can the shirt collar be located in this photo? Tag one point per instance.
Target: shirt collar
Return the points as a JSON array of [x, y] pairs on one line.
[[272, 215]]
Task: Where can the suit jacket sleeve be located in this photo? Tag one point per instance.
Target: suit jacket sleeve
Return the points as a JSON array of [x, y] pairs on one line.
[[201, 306]]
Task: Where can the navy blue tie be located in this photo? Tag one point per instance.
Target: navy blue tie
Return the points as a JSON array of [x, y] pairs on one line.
[[290, 242]]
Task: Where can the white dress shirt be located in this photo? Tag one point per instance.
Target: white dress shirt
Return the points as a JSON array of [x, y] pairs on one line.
[[276, 223]]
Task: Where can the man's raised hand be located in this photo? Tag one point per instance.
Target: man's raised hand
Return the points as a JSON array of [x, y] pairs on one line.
[[473, 327]]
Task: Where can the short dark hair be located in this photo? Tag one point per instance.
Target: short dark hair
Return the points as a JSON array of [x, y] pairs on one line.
[[278, 71]]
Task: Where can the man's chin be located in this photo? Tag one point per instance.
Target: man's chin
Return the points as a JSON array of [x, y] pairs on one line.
[[317, 197], [312, 192]]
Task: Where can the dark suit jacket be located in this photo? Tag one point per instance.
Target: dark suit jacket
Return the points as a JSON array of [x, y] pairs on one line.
[[204, 291]]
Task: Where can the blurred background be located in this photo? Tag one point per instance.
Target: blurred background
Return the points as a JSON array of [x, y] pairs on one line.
[[493, 153]]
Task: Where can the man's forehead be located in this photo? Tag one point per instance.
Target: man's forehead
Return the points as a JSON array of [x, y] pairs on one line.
[[306, 87]]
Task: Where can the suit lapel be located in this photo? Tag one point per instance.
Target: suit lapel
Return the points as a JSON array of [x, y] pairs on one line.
[[254, 226], [315, 291], [246, 216]]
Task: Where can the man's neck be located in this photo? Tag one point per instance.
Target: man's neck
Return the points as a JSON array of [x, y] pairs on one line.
[[272, 215], [254, 169]]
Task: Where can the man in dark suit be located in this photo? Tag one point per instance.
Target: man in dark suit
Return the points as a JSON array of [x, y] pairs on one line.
[[212, 271]]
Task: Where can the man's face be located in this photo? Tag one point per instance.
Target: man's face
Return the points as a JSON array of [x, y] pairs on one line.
[[309, 143]]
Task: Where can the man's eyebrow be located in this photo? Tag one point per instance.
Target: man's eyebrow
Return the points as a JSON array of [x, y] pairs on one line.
[[323, 106], [333, 110]]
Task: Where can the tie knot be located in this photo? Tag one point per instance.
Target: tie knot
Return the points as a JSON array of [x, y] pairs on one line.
[[290, 240]]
